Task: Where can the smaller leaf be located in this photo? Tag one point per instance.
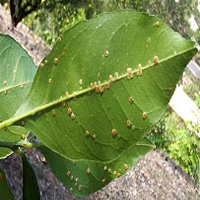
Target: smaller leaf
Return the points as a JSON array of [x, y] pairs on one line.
[[30, 185], [5, 192], [5, 152], [11, 134], [17, 73]]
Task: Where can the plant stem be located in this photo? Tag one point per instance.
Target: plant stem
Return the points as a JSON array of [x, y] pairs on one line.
[[23, 143]]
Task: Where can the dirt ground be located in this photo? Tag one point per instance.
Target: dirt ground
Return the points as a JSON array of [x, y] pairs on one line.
[[154, 177]]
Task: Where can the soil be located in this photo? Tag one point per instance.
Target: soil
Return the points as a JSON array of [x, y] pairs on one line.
[[154, 177]]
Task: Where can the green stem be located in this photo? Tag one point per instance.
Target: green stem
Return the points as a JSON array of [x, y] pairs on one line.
[[24, 144]]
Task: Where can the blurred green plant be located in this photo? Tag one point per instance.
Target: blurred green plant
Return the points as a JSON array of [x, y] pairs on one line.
[[49, 27], [179, 141], [197, 98], [191, 86], [185, 150]]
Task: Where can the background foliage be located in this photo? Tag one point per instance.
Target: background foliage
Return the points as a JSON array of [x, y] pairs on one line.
[[52, 18], [179, 142]]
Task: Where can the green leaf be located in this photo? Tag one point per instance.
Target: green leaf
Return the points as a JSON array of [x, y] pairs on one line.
[[5, 192], [86, 177], [10, 136], [30, 184], [17, 72], [92, 51]]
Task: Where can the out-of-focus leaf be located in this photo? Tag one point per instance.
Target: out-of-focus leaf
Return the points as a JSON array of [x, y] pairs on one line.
[[5, 192], [30, 184], [17, 71]]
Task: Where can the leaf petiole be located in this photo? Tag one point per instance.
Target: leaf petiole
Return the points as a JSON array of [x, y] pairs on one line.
[[22, 143]]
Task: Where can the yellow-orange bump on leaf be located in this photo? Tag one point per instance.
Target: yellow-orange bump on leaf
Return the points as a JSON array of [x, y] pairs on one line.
[[157, 23], [116, 75], [144, 115], [110, 78], [139, 71], [69, 110], [129, 73], [55, 61], [125, 167], [87, 133], [80, 81], [130, 99], [68, 173], [53, 112], [118, 174], [76, 180], [88, 171], [41, 65], [66, 94], [73, 117], [23, 136], [80, 188], [155, 60], [63, 104], [5, 82], [128, 123], [114, 132], [106, 54], [94, 136], [59, 39]]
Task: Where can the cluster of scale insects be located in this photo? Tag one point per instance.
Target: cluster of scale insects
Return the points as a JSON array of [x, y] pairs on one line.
[[100, 87], [89, 171]]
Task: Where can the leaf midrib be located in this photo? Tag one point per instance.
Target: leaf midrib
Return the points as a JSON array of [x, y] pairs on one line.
[[14, 86], [14, 119]]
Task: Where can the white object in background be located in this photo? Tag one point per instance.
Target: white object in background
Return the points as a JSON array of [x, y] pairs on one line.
[[194, 69], [184, 106]]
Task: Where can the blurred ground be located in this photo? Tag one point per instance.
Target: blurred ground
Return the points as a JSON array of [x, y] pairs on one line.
[[153, 177]]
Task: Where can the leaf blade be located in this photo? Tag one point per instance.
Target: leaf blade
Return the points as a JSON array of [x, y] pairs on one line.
[[17, 72]]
